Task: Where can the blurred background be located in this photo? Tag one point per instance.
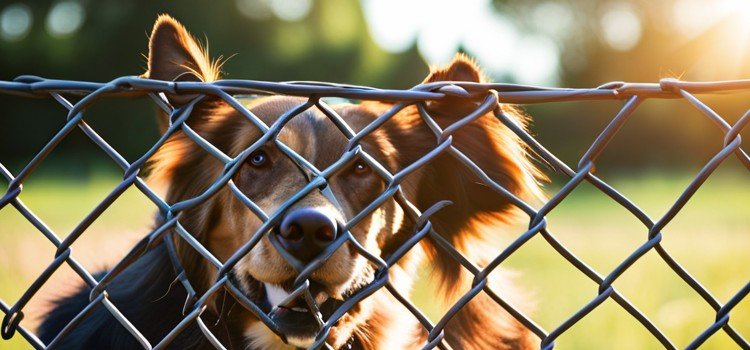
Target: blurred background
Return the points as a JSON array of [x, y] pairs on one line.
[[389, 44]]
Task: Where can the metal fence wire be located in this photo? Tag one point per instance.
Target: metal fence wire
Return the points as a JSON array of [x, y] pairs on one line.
[[633, 95]]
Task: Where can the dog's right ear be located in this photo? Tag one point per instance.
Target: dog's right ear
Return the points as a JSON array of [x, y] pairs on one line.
[[174, 55]]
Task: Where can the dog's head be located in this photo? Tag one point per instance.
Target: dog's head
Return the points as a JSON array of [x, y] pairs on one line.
[[320, 221]]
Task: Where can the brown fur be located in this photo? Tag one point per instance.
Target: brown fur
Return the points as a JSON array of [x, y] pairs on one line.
[[223, 224]]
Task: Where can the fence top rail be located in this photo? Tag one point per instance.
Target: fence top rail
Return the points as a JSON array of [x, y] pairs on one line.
[[33, 86]]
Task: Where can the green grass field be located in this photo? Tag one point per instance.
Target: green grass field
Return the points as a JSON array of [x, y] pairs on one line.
[[710, 238]]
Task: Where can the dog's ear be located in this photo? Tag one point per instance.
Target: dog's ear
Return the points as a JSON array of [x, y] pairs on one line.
[[490, 145], [461, 68], [478, 212], [174, 55]]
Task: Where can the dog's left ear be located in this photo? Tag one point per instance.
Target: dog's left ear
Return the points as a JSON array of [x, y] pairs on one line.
[[478, 211], [491, 146]]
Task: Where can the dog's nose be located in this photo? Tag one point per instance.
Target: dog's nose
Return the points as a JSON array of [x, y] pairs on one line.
[[305, 232]]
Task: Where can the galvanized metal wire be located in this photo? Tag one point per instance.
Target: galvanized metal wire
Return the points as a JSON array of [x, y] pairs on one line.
[[314, 92]]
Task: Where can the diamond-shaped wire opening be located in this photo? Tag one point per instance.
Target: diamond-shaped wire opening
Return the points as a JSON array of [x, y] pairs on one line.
[[604, 237], [715, 223], [608, 318], [26, 256], [141, 120], [91, 183], [652, 286], [539, 271]]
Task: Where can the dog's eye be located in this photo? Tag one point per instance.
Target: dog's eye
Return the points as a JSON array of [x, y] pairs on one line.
[[361, 167], [258, 158]]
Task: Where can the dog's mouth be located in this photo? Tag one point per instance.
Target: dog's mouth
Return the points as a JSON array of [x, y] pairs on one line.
[[299, 316]]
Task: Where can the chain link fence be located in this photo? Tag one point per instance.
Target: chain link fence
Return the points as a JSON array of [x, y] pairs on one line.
[[87, 93]]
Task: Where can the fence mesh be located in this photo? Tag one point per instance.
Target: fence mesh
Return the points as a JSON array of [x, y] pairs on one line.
[[87, 93]]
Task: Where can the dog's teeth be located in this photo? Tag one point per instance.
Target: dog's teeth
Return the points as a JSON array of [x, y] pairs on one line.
[[299, 309], [275, 294], [321, 298]]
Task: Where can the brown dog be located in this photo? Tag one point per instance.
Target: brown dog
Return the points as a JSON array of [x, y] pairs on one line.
[[222, 223]]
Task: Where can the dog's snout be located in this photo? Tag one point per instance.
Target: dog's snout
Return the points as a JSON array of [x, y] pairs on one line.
[[306, 232]]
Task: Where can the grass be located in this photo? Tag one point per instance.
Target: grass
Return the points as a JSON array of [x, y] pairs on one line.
[[710, 238]]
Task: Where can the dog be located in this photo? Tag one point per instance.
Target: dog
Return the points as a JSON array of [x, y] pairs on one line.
[[148, 295]]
